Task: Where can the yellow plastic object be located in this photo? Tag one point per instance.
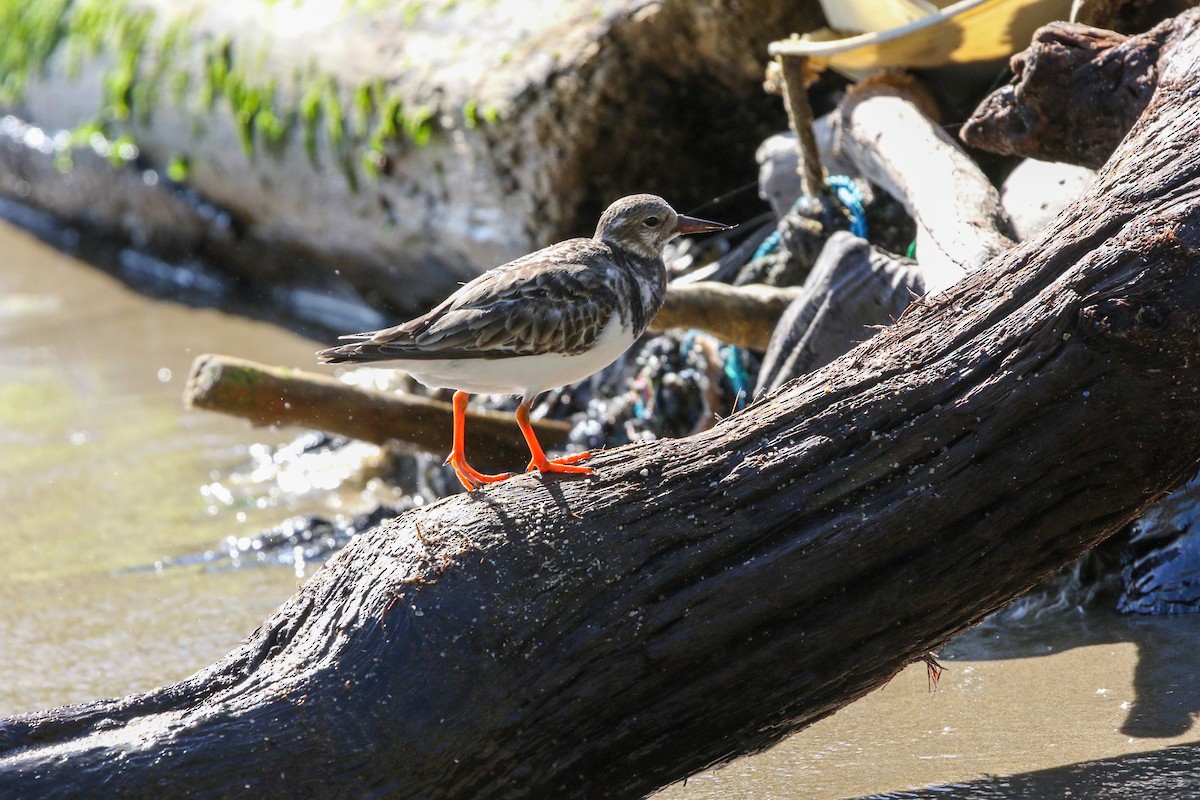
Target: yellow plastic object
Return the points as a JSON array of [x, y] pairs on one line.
[[927, 35], [863, 17]]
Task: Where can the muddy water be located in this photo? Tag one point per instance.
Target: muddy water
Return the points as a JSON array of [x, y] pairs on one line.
[[1085, 705], [101, 477]]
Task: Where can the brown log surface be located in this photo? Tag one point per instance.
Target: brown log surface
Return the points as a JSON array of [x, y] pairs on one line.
[[1075, 92], [741, 315], [281, 396], [701, 598]]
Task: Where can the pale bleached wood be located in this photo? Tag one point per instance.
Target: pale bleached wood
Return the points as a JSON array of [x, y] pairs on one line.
[[884, 130]]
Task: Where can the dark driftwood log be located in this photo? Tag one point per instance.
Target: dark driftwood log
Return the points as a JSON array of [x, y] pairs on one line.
[[701, 598], [1074, 94], [280, 396], [1127, 16]]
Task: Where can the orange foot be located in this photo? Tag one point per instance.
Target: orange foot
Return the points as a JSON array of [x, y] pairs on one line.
[[562, 464], [470, 477]]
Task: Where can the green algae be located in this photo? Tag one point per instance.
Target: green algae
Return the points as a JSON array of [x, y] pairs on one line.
[[470, 114], [32, 31], [179, 168], [151, 61]]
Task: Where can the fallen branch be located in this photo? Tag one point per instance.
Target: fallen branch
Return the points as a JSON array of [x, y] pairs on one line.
[[884, 128], [277, 396], [703, 597], [741, 315]]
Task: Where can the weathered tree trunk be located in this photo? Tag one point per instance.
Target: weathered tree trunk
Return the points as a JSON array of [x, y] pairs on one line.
[[701, 598], [1075, 92]]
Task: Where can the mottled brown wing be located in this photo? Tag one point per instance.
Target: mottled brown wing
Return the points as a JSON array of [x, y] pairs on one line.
[[556, 300]]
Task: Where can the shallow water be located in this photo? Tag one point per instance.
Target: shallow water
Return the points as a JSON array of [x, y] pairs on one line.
[[1088, 705], [103, 476]]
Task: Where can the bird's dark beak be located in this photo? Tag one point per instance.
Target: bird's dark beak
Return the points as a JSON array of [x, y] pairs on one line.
[[693, 225]]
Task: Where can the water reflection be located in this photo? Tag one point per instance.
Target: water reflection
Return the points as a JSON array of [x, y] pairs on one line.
[[1170, 772], [1166, 683], [1060, 704]]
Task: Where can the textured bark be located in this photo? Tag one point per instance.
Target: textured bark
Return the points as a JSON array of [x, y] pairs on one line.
[[1127, 16], [1074, 94], [701, 598]]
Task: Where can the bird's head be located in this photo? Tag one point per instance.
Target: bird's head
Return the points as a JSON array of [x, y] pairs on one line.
[[643, 224]]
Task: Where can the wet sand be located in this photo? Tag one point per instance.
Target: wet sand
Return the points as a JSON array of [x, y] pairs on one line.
[[102, 477]]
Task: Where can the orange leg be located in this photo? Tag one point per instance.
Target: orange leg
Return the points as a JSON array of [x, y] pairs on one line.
[[539, 460], [470, 477]]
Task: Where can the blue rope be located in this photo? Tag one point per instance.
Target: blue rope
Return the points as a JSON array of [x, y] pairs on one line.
[[847, 193], [731, 366], [851, 197], [687, 342], [768, 246], [739, 381]]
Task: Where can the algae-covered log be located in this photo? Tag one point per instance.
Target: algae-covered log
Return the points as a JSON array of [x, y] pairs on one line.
[[403, 146], [701, 598]]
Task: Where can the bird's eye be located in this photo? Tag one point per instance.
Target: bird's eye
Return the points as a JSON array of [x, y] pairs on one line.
[[651, 222]]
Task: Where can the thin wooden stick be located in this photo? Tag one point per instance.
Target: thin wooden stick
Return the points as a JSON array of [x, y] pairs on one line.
[[796, 78]]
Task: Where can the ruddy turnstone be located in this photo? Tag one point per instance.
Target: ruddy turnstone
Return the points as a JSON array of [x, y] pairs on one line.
[[547, 319]]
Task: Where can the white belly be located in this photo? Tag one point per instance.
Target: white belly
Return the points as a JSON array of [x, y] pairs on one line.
[[524, 375]]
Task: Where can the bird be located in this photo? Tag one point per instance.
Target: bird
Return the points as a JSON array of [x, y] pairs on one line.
[[547, 319]]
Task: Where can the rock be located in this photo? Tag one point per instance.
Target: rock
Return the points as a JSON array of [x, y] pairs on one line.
[[405, 146], [1162, 575]]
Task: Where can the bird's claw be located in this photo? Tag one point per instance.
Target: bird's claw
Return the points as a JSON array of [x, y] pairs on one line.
[[469, 477], [563, 464]]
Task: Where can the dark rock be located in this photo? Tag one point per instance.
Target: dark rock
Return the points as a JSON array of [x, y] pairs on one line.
[[1163, 573]]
